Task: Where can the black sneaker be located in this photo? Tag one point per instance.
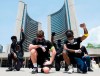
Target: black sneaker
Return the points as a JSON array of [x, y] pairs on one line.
[[10, 69], [66, 69], [78, 70], [89, 69], [35, 70], [42, 71]]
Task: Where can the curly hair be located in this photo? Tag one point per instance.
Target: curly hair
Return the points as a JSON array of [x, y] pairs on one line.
[[13, 37]]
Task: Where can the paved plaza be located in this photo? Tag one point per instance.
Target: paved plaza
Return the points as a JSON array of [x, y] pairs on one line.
[[27, 72]]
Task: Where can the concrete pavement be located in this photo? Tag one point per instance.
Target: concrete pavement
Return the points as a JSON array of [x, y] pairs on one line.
[[27, 72]]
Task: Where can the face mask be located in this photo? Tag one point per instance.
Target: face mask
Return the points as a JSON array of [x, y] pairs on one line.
[[71, 41]]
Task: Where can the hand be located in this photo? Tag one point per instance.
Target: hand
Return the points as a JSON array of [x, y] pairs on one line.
[[85, 55], [83, 25], [15, 55], [78, 51], [59, 54], [47, 63], [21, 29], [43, 48]]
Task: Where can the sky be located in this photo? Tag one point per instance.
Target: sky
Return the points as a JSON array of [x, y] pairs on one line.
[[87, 11]]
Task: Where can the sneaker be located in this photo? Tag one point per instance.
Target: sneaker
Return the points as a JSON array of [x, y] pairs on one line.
[[78, 70], [89, 69], [10, 69], [70, 71], [35, 70], [66, 69], [42, 71]]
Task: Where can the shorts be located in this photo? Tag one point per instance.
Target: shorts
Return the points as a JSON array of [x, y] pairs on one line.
[[41, 59]]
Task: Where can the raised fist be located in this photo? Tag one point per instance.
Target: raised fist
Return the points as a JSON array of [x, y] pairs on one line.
[[83, 25], [21, 29]]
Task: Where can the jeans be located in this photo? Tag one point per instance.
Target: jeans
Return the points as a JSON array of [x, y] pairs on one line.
[[87, 60], [81, 64]]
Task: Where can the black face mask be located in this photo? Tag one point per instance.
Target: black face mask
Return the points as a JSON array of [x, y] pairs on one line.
[[14, 41]]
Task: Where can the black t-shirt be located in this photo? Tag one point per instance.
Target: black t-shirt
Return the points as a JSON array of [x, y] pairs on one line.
[[75, 46], [47, 44], [14, 45], [59, 49]]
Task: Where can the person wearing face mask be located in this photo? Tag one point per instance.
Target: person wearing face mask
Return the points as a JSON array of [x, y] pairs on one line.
[[16, 51], [40, 53], [72, 49]]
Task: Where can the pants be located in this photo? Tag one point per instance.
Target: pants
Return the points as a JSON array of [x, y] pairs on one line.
[[12, 58], [87, 60], [81, 64]]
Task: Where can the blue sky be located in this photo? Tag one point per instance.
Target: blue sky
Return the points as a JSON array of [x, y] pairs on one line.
[[87, 11]]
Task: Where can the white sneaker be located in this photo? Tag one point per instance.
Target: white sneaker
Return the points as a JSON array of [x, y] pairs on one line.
[[70, 71]]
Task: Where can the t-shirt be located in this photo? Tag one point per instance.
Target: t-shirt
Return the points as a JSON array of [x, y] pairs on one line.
[[14, 45], [59, 49], [75, 46], [47, 44]]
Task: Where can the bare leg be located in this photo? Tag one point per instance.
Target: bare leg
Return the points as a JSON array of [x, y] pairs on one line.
[[34, 56], [66, 58]]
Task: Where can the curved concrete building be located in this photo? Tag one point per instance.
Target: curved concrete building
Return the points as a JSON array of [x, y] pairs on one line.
[[62, 20], [30, 30], [29, 25]]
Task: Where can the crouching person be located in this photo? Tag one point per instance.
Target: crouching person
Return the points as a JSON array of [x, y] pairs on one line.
[[40, 53], [15, 57]]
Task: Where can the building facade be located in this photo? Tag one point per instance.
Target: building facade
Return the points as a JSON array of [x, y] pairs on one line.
[[30, 29], [62, 20], [29, 25], [1, 48]]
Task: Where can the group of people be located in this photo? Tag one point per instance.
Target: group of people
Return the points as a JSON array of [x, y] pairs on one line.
[[43, 52]]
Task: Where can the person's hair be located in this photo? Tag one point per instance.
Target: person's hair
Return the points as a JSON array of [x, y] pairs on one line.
[[13, 37], [53, 33], [69, 33], [40, 33]]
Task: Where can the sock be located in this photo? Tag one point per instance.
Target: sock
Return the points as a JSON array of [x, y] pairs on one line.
[[35, 64]]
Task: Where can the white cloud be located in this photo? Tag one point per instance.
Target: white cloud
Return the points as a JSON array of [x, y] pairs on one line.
[[94, 36]]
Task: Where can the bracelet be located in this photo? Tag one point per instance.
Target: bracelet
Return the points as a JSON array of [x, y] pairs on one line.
[[51, 48], [86, 35]]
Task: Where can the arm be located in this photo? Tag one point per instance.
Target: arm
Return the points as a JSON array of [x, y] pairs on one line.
[[71, 50], [12, 49], [23, 37], [31, 46], [53, 54], [53, 51], [85, 31]]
